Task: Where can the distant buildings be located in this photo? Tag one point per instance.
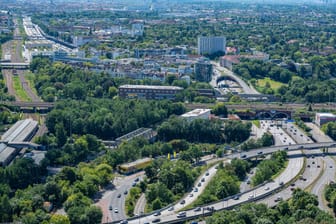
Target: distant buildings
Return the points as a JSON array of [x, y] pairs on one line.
[[81, 40], [137, 29], [139, 53], [322, 118], [149, 92], [203, 70], [197, 114], [228, 61], [211, 45]]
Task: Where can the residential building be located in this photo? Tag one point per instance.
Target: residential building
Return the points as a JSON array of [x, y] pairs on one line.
[[197, 114], [137, 29], [149, 92], [211, 45], [203, 70], [322, 118]]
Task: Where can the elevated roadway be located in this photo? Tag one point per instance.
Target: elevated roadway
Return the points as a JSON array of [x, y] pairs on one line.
[[292, 170]]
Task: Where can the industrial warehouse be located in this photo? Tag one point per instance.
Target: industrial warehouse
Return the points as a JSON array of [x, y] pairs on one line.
[[16, 138]]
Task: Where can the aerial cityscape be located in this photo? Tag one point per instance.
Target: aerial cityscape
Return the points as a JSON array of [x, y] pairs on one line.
[[168, 111]]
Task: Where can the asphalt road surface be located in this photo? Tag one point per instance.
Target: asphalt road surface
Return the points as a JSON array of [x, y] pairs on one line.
[[246, 88]]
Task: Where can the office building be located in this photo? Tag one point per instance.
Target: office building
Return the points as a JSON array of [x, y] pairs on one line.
[[203, 70], [211, 45], [149, 92], [322, 118]]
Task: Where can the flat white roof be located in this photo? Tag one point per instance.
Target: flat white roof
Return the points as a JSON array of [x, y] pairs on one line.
[[196, 112], [325, 115]]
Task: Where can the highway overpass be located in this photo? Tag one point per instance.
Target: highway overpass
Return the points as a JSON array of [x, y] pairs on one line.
[[243, 155], [14, 65]]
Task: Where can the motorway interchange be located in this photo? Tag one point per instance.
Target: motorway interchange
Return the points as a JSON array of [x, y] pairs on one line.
[[312, 173]]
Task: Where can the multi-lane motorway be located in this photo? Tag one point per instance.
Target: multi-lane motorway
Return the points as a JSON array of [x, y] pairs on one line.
[[294, 166]]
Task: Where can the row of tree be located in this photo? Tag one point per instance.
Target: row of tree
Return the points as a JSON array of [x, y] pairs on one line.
[[330, 129], [200, 130], [225, 182], [107, 119], [267, 168], [168, 181], [301, 209], [71, 188], [265, 140]]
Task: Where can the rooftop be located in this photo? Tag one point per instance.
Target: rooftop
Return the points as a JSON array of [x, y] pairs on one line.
[[150, 87], [325, 114], [196, 112], [136, 162]]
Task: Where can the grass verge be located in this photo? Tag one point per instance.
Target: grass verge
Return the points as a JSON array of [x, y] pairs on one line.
[[256, 123], [273, 84], [19, 89], [131, 200]]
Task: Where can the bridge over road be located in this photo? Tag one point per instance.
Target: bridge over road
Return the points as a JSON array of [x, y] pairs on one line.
[[14, 65], [22, 104]]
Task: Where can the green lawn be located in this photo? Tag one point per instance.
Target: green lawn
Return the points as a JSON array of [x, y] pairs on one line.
[[256, 123], [19, 90], [274, 84]]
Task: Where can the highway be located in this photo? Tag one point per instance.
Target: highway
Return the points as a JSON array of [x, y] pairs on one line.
[[293, 168], [246, 88], [328, 167]]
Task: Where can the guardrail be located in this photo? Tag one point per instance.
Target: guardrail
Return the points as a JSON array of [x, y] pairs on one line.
[[307, 146]]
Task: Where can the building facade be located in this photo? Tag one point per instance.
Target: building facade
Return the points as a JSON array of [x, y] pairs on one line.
[[203, 71], [149, 92], [210, 45]]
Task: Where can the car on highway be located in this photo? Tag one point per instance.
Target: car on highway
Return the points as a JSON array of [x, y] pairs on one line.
[[197, 209], [202, 180], [207, 174], [116, 210], [199, 184], [137, 179], [236, 197], [119, 195], [191, 195], [181, 214], [243, 156], [110, 207], [157, 213], [134, 184], [156, 220], [260, 152], [279, 198], [281, 183], [171, 208], [248, 181], [251, 196], [266, 188], [126, 192], [123, 222], [182, 202], [196, 189]]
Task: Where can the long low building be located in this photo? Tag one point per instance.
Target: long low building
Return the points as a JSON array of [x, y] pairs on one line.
[[149, 92], [21, 131]]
